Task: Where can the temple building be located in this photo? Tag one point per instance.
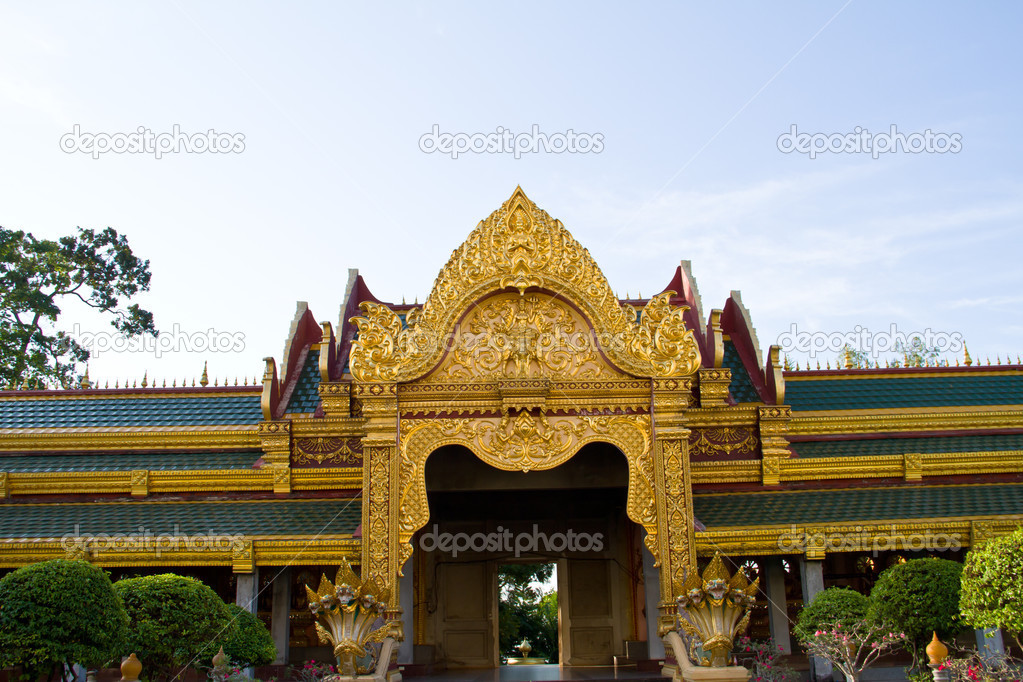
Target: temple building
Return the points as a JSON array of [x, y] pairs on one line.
[[523, 413]]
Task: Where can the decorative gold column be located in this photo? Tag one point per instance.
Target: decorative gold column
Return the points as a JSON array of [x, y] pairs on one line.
[[773, 421], [275, 439], [380, 561], [673, 493]]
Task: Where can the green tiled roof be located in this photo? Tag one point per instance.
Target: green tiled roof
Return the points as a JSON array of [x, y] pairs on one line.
[[866, 504], [741, 387], [152, 461], [898, 446], [292, 517], [913, 390], [305, 397], [201, 410]]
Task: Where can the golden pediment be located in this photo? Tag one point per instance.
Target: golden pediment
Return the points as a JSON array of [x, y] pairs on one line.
[[520, 248]]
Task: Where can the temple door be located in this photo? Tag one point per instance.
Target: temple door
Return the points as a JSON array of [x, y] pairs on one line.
[[589, 632], [468, 618]]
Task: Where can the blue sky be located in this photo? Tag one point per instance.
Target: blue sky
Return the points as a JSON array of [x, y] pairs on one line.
[[690, 99]]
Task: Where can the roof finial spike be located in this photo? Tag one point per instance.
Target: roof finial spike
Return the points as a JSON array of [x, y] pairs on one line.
[[957, 362], [998, 359], [86, 384], [1018, 362], [193, 382], [967, 360], [787, 365], [205, 380], [117, 383], [165, 382], [417, 301], [639, 295], [106, 384], [828, 364], [988, 359], [174, 382], [627, 297], [134, 383], [145, 379], [214, 381], [818, 364], [235, 379], [403, 300]]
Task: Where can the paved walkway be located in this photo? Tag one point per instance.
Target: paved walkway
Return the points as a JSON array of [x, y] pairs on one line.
[[542, 673]]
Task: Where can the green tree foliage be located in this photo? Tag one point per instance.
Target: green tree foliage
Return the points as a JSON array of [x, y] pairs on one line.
[[58, 613], [833, 606], [525, 610], [992, 585], [919, 597], [36, 275], [176, 622], [249, 643]]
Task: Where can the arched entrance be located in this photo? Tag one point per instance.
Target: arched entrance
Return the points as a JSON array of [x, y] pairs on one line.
[[483, 518]]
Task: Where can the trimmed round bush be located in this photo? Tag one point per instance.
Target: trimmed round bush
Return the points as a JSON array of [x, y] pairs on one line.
[[919, 597], [60, 612], [835, 605], [992, 585], [250, 643], [175, 622]]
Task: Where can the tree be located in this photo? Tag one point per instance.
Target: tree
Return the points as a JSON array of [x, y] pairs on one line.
[[250, 643], [519, 612], [176, 622], [58, 613], [37, 275], [853, 648], [833, 606], [992, 585], [920, 596]]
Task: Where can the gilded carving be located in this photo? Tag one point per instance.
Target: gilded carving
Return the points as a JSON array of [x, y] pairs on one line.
[[725, 441], [337, 451], [522, 337], [520, 246]]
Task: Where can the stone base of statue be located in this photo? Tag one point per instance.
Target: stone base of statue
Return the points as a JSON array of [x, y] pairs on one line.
[[527, 660], [685, 670]]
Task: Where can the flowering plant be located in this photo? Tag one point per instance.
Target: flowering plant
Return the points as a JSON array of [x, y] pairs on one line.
[[854, 648], [311, 671], [763, 660], [971, 666]]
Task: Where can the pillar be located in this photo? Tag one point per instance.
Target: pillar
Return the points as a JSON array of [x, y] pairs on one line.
[[652, 599], [990, 643], [406, 597], [246, 596], [247, 590], [812, 576], [280, 615], [777, 603]]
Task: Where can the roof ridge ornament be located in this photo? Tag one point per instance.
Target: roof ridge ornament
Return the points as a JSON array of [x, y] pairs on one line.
[[520, 247]]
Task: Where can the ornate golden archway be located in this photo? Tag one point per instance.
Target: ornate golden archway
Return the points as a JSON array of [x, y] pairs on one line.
[[523, 354]]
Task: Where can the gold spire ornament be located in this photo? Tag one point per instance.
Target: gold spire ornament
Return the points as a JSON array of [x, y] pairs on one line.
[[350, 608], [714, 609], [205, 380]]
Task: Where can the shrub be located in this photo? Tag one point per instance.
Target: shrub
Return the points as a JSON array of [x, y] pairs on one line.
[[249, 643], [59, 612], [919, 597], [175, 622], [833, 606], [992, 585]]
